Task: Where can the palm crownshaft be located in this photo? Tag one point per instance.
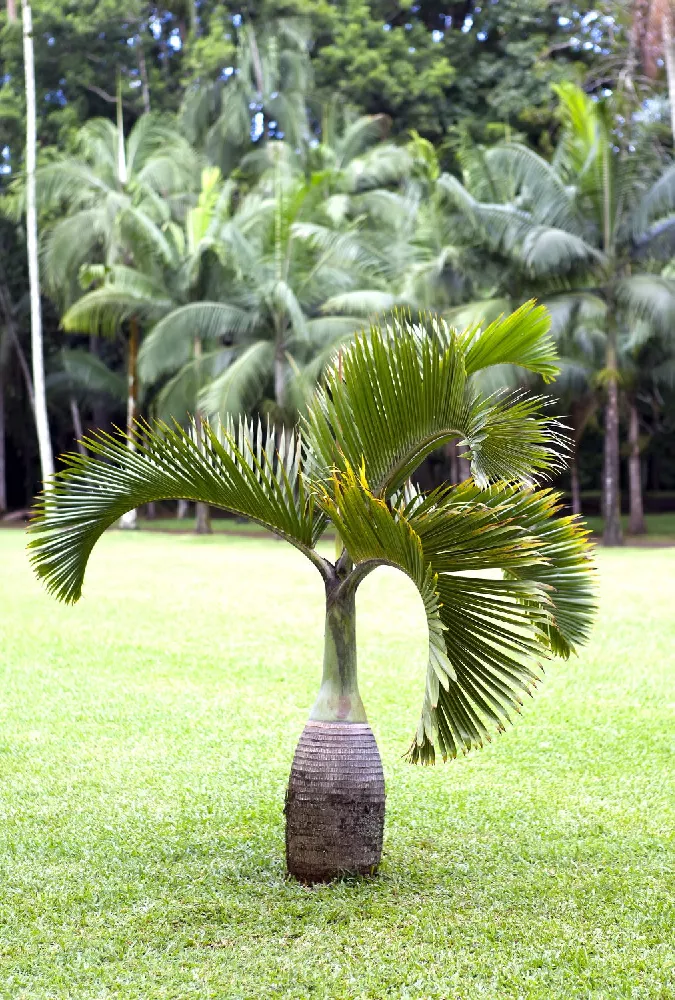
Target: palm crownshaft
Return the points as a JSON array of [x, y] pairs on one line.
[[395, 394]]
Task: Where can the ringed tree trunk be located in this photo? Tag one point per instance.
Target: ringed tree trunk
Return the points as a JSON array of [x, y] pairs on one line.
[[128, 520], [612, 534], [636, 524], [335, 799]]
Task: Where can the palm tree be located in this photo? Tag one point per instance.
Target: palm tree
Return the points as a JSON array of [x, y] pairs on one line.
[[264, 92], [393, 396], [589, 224], [280, 260], [117, 196]]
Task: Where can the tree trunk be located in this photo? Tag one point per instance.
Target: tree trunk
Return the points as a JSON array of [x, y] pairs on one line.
[[451, 453], [574, 479], [77, 425], [202, 513], [612, 534], [11, 11], [669, 59], [37, 350], [3, 462], [128, 520], [636, 524], [464, 468], [335, 798], [280, 375], [182, 509]]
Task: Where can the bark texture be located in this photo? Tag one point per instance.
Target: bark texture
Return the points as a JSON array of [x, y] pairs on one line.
[[335, 803], [636, 524]]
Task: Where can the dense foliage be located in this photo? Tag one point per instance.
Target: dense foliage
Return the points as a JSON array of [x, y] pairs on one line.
[[227, 192]]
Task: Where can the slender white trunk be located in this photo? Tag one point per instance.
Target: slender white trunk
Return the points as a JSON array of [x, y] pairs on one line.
[[41, 421], [77, 425], [3, 463], [669, 59], [182, 509], [202, 513], [128, 520]]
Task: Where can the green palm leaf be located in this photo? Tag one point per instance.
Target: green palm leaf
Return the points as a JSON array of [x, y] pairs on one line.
[[486, 636], [394, 396], [236, 469]]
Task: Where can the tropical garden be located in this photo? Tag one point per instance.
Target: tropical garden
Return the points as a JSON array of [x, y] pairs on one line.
[[393, 284]]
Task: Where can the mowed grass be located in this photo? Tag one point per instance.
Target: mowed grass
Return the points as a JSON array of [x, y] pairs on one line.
[[145, 741]]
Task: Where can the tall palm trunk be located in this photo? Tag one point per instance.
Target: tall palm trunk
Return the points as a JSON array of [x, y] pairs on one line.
[[37, 350], [77, 425], [335, 798], [612, 534], [3, 457], [636, 524], [280, 374], [128, 520], [202, 514], [574, 480], [669, 60]]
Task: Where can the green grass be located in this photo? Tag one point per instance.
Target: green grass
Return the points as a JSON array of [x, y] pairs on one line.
[[660, 529], [145, 741]]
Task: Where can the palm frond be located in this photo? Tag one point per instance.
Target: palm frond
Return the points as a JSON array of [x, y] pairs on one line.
[[400, 392], [651, 298], [236, 468], [487, 636], [239, 386], [170, 343], [522, 338]]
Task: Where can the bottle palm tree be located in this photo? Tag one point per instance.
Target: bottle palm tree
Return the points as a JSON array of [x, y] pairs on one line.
[[393, 395], [592, 222]]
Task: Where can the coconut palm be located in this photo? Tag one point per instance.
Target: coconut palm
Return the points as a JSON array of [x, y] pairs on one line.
[[115, 197], [264, 92], [590, 223], [281, 259], [394, 395]]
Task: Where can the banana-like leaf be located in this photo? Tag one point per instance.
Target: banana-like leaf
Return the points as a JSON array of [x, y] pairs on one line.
[[236, 468]]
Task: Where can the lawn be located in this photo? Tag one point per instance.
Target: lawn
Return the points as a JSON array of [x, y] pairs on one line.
[[145, 743]]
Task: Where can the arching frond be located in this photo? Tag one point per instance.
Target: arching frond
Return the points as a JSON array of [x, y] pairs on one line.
[[649, 297], [398, 394], [90, 376], [239, 386], [361, 302], [103, 311], [237, 469], [171, 341], [547, 250], [521, 338], [487, 636], [547, 197]]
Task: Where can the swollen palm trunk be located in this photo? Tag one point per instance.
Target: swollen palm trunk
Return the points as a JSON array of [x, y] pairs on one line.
[[335, 799]]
